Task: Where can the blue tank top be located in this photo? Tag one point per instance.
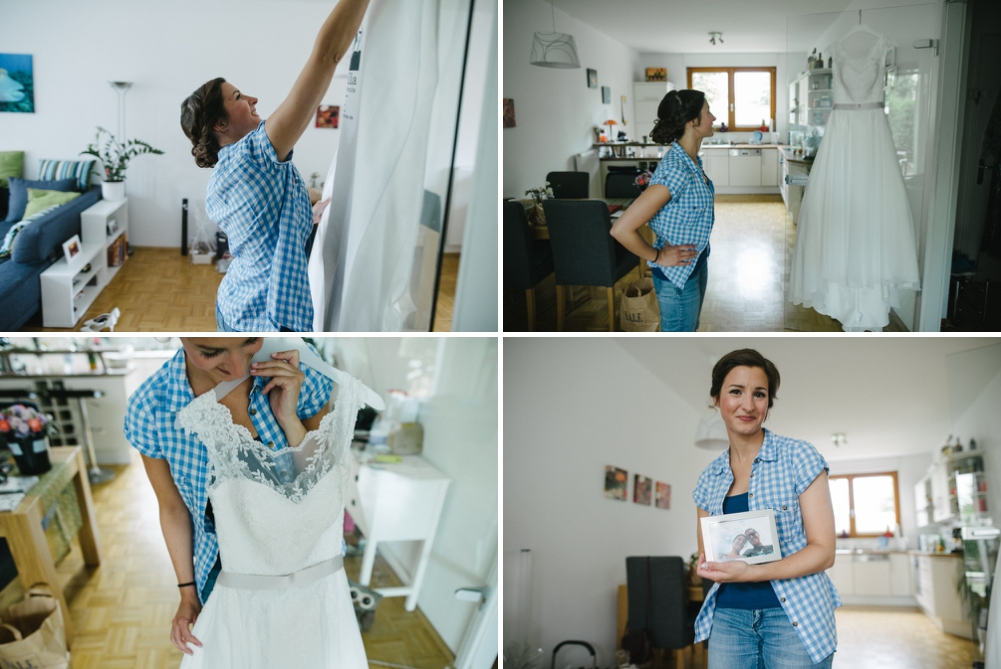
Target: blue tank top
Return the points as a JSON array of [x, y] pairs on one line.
[[756, 595]]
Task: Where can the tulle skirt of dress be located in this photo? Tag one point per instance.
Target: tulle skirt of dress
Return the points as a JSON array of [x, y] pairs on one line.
[[855, 239], [308, 627]]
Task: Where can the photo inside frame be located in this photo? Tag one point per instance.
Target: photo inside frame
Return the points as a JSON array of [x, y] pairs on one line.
[[751, 537]]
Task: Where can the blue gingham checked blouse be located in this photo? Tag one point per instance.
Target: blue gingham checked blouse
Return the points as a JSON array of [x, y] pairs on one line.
[[688, 216], [263, 207], [149, 427], [783, 469]]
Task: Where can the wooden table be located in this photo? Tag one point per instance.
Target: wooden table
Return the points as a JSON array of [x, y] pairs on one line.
[[542, 231], [22, 528], [622, 617]]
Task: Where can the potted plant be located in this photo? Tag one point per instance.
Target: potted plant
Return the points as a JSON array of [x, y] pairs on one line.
[[116, 156], [24, 430]]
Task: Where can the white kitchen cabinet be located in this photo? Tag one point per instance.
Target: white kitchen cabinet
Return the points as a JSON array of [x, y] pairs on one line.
[[769, 167], [716, 163], [745, 167], [940, 493], [871, 575], [841, 574], [900, 575], [936, 593]]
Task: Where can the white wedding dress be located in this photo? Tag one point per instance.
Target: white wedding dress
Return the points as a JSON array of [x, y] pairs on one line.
[[855, 239], [282, 599]]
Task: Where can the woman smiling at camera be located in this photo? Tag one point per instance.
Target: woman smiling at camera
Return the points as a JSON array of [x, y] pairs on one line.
[[776, 614]]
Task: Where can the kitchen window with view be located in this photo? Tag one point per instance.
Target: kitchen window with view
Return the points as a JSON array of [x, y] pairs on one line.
[[865, 505], [743, 97]]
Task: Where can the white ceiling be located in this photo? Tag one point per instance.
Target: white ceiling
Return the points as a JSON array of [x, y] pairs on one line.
[[890, 396], [748, 26]]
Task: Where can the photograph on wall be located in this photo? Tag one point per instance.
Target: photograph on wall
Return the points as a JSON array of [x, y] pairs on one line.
[[663, 499], [508, 112], [751, 536], [592, 78], [656, 74], [606, 95], [642, 490], [327, 117], [616, 482], [17, 83]]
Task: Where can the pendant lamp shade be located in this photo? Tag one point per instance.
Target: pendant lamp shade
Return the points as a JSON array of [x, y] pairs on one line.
[[554, 50], [712, 433]]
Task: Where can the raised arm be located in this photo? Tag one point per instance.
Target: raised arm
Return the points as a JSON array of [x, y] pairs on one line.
[[626, 229], [286, 125]]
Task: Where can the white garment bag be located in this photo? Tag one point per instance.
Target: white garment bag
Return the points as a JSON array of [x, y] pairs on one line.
[[365, 244]]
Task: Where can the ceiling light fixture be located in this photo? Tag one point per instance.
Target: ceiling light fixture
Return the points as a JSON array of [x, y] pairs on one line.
[[713, 36], [554, 49]]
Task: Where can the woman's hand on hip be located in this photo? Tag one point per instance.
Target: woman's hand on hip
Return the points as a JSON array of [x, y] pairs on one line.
[[318, 210], [672, 256], [282, 389], [184, 619], [723, 572]]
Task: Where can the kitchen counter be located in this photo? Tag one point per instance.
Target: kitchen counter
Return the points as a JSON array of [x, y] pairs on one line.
[[936, 555], [868, 551], [763, 145], [789, 154]]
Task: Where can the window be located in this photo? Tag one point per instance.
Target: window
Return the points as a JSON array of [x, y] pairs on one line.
[[865, 505], [742, 97]]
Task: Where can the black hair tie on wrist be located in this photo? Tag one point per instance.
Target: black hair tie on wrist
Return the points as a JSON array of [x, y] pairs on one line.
[[184, 585]]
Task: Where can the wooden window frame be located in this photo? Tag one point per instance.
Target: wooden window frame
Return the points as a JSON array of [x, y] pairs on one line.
[[731, 115], [851, 499]]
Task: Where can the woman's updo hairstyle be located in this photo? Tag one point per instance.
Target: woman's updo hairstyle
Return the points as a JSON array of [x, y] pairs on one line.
[[675, 110], [199, 114], [745, 357]]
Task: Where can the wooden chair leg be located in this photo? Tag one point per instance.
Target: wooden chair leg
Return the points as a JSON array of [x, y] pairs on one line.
[[530, 298], [560, 306], [679, 659], [611, 308]]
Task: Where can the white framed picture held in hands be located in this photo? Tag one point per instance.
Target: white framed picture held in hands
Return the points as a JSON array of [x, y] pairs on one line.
[[750, 536]]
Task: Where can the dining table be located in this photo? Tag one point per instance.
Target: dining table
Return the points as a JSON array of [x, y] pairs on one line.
[[537, 221]]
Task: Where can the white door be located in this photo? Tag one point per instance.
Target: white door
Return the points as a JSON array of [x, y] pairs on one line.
[[479, 647]]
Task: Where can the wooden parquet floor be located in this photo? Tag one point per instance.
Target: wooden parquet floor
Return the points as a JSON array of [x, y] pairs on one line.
[[159, 290], [123, 609], [752, 243], [884, 638]]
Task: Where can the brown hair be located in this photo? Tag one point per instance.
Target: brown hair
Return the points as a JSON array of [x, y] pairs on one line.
[[199, 113], [675, 110], [745, 357]]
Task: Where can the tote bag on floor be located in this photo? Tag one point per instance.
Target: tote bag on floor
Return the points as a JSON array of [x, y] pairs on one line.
[[32, 633]]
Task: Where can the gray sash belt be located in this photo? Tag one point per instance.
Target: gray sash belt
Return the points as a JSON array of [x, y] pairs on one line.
[[856, 106], [293, 580]]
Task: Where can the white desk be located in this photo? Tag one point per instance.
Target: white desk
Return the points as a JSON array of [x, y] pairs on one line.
[[397, 502]]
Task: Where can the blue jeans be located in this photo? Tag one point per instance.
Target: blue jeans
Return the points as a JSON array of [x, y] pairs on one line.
[[758, 639], [679, 309]]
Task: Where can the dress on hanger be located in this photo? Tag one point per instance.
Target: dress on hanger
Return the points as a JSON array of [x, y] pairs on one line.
[[282, 599], [855, 244]]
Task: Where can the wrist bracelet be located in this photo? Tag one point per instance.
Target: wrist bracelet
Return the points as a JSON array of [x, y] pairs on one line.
[[184, 585]]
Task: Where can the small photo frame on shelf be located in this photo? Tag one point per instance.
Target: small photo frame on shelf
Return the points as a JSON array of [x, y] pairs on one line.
[[592, 78], [112, 226], [656, 74], [71, 247], [750, 536], [606, 95]]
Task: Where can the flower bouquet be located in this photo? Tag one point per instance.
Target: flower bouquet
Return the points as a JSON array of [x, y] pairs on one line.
[[643, 180], [24, 431]]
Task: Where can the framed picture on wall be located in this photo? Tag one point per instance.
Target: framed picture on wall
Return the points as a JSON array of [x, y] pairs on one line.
[[509, 113], [663, 500], [642, 490], [616, 482], [606, 95], [750, 536], [592, 78], [17, 83], [656, 74]]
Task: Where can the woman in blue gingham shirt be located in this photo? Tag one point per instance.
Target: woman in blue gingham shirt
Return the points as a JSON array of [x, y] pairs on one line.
[[279, 403], [771, 614], [256, 195], [678, 206]]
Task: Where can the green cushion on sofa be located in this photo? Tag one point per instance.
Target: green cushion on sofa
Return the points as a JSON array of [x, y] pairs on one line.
[[43, 199], [11, 165]]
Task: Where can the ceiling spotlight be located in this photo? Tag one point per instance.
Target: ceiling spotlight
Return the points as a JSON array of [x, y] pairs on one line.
[[714, 36], [838, 439]]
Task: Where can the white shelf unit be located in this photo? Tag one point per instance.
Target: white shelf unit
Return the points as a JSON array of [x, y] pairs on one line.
[[69, 288]]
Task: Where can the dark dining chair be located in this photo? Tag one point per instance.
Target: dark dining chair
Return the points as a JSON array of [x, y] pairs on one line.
[[584, 252], [659, 602], [573, 185], [527, 261], [622, 184]]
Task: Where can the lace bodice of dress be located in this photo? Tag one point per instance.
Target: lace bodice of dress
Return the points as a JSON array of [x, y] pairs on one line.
[[858, 75], [264, 525]]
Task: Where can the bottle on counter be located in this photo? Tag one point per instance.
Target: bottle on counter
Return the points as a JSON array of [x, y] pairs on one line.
[[811, 60], [819, 64], [830, 62]]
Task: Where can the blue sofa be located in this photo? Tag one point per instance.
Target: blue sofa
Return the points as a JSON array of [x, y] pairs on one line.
[[35, 249]]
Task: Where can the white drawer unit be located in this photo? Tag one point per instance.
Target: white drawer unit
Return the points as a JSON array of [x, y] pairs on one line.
[[841, 575], [397, 502], [871, 575], [769, 167], [936, 593], [716, 163], [873, 578], [745, 167]]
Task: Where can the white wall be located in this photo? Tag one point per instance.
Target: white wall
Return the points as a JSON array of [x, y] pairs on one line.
[[571, 407], [555, 110], [677, 65], [168, 50], [910, 469]]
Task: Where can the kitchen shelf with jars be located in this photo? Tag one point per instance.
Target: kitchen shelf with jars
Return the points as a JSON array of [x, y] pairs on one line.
[[954, 491]]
